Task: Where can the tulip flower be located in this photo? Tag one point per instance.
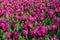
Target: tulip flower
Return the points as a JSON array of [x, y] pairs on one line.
[[54, 38], [25, 32], [8, 34]]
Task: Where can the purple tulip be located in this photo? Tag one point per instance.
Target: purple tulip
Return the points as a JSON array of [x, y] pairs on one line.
[[48, 4], [42, 31], [1, 0], [20, 9], [57, 19], [8, 34], [35, 38], [54, 38], [12, 15], [33, 14], [30, 18], [4, 24], [10, 39], [18, 17], [54, 18], [48, 26], [51, 13], [4, 27], [57, 10], [51, 4], [13, 24], [1, 11], [47, 1], [39, 24], [29, 24], [25, 17], [40, 38], [54, 26], [42, 7], [24, 26], [15, 34], [25, 32], [35, 18], [1, 14], [42, 17], [7, 14], [33, 32]]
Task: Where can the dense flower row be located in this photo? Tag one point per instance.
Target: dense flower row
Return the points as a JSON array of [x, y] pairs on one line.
[[32, 14]]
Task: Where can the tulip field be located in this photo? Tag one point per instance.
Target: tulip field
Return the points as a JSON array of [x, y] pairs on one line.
[[29, 19]]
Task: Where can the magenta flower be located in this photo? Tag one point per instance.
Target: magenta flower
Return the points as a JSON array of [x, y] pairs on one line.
[[56, 10], [30, 18], [4, 24], [24, 26], [1, 14], [54, 38], [54, 18], [15, 34], [18, 17], [10, 39], [13, 24], [29, 24], [48, 26], [7, 14], [54, 26], [31, 13], [35, 18], [4, 27], [42, 31], [57, 19], [12, 15], [1, 11], [40, 38], [51, 13], [22, 10], [39, 24], [25, 32], [33, 32], [24, 17], [42, 17], [35, 38], [8, 34], [1, 0]]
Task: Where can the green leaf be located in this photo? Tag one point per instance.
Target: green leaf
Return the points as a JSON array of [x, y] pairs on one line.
[[59, 27], [4, 16], [30, 11], [46, 37]]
